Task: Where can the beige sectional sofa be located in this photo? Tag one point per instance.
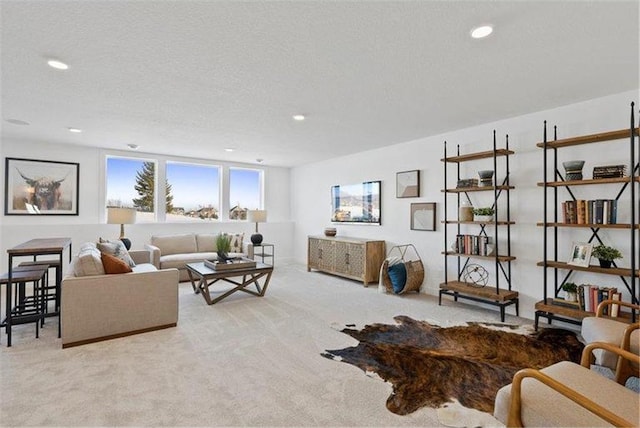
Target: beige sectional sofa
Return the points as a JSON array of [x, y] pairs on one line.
[[175, 251], [99, 307]]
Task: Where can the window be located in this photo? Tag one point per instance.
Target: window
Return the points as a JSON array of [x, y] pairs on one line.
[[245, 192], [195, 191], [131, 184]]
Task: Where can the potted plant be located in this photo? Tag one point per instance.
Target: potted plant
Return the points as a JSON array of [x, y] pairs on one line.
[[571, 290], [223, 246], [606, 255], [483, 215]]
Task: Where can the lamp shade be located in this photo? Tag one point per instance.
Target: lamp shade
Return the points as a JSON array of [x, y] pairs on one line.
[[257, 216], [121, 215]]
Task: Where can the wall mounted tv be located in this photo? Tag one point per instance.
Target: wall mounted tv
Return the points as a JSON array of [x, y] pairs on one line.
[[356, 203]]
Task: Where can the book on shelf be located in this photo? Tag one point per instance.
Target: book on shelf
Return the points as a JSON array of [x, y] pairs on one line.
[[615, 308], [596, 211], [609, 171]]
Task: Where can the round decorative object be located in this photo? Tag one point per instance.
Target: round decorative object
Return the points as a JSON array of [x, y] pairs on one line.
[[573, 166], [475, 275], [330, 231]]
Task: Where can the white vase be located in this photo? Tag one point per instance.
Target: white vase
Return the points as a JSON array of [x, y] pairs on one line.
[[483, 218], [571, 296]]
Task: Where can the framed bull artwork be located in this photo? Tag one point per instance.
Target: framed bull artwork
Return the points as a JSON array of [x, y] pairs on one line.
[[40, 187]]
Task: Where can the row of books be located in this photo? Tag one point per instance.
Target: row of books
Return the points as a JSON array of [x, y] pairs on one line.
[[597, 211], [609, 171], [589, 296], [467, 182], [477, 245]]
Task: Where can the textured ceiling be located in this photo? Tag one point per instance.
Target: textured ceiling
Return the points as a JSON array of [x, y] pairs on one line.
[[191, 78]]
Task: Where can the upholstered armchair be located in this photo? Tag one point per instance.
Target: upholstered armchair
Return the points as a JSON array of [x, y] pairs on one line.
[[568, 394], [603, 328]]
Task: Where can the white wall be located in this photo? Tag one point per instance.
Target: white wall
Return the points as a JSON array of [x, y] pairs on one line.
[[90, 223], [311, 189]]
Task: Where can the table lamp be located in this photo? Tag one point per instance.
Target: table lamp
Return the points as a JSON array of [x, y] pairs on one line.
[[257, 216], [122, 216]]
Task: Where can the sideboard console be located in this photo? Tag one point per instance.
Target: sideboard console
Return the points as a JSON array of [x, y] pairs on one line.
[[353, 258]]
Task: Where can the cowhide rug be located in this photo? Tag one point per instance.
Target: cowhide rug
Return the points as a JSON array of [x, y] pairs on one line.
[[429, 365]]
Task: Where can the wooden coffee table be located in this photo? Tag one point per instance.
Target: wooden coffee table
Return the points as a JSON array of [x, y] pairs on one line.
[[206, 277]]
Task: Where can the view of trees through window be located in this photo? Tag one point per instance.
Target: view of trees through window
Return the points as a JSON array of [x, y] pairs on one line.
[[193, 191], [196, 189]]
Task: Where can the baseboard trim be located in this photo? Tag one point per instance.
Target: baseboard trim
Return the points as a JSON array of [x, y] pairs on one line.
[[116, 336]]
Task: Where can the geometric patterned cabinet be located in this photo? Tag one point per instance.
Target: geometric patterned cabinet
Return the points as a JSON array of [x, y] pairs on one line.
[[353, 258]]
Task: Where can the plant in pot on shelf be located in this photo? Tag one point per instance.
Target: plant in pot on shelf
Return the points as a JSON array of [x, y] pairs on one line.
[[605, 255], [223, 246], [571, 291], [484, 215]]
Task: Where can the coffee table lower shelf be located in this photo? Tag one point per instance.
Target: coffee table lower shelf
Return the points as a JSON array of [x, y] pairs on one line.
[[462, 290]]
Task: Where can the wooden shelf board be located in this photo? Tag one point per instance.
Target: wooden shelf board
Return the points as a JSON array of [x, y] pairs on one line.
[[587, 139], [477, 222], [475, 256], [590, 225], [562, 310], [589, 181], [596, 269], [477, 189], [487, 292], [478, 155]]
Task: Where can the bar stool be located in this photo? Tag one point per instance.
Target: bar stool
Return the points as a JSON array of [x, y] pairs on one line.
[[52, 291], [25, 308]]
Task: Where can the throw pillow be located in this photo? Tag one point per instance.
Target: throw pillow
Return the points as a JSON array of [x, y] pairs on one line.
[[398, 276], [113, 265], [236, 242], [88, 261], [117, 249]]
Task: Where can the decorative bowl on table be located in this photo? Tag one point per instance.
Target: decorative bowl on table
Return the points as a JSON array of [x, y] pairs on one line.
[[330, 231]]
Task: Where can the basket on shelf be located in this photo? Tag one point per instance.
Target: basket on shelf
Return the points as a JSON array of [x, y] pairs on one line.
[[408, 255]]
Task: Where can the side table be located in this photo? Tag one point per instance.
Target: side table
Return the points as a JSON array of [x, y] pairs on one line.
[[264, 251]]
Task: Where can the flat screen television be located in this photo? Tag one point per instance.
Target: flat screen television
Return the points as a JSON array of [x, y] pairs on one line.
[[356, 203]]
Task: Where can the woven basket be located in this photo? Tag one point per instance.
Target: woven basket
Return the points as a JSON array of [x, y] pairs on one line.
[[413, 264]]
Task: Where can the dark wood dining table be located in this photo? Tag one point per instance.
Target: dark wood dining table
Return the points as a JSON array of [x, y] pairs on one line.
[[35, 248]]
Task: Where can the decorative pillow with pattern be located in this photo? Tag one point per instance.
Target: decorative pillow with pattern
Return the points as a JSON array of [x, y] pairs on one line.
[[117, 249], [114, 265], [236, 242]]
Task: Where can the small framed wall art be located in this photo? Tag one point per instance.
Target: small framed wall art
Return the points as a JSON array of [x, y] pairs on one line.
[[580, 254], [423, 216], [408, 184], [41, 187]]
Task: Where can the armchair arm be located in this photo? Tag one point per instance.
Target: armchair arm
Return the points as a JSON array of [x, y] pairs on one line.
[[515, 417], [155, 254], [140, 256], [586, 353], [609, 302]]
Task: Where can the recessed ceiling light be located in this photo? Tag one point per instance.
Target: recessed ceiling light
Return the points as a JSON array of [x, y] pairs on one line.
[[54, 63], [228, 149], [259, 160], [75, 130], [481, 32], [18, 122], [298, 117], [133, 146]]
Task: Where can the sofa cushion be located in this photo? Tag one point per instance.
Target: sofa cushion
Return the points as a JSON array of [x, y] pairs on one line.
[[144, 267], [88, 261], [175, 244], [179, 261], [206, 242], [117, 249], [114, 265]]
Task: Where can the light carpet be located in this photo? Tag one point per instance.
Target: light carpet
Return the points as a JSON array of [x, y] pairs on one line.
[[246, 361]]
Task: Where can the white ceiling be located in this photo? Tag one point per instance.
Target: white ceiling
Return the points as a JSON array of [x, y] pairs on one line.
[[191, 78]]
